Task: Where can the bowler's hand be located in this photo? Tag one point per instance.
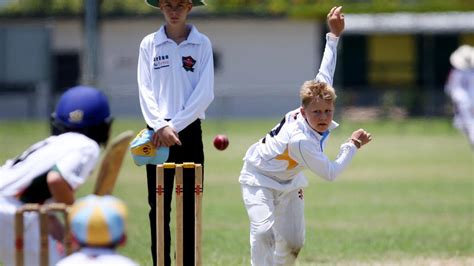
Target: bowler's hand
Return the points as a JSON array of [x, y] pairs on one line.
[[166, 136], [360, 137], [335, 20]]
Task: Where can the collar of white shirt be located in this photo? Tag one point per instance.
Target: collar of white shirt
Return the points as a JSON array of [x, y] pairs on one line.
[[94, 251], [313, 132], [160, 36]]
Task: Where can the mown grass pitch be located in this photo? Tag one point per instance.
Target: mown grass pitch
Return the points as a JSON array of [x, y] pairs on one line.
[[407, 198]]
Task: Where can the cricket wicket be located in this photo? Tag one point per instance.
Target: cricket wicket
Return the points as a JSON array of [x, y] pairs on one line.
[[43, 211], [198, 191]]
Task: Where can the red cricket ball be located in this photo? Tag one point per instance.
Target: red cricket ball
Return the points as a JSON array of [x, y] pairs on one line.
[[221, 142]]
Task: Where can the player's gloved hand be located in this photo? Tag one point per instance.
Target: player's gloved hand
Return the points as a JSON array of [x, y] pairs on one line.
[[335, 20], [360, 137]]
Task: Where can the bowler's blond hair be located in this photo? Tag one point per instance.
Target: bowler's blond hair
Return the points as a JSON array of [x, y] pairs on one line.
[[312, 90]]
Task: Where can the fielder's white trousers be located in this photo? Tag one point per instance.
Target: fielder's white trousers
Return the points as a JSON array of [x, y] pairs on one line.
[[31, 240], [277, 228], [464, 117]]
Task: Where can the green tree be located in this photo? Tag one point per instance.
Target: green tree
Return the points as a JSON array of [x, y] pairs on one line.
[[292, 8]]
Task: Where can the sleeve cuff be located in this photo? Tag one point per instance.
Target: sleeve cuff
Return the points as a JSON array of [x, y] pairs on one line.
[[160, 124], [349, 145], [73, 180], [332, 38], [170, 124]]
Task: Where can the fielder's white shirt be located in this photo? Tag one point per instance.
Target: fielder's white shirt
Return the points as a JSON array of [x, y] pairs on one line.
[[96, 256], [460, 86], [73, 154], [277, 161], [461, 80], [175, 81]]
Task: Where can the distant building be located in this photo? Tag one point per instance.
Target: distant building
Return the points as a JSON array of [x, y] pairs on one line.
[[408, 53], [261, 62]]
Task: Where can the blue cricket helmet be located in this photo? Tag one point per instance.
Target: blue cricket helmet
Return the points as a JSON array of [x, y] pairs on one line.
[[81, 107], [85, 110]]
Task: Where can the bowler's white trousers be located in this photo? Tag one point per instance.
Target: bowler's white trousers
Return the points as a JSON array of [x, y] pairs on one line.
[[31, 237], [277, 228]]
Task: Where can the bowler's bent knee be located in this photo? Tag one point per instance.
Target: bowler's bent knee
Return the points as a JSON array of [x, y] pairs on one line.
[[262, 231]]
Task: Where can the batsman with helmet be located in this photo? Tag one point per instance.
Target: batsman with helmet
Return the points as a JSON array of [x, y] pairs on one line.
[[52, 169]]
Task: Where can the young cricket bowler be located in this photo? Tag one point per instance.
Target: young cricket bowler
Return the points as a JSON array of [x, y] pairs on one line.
[[271, 179], [52, 169], [176, 86]]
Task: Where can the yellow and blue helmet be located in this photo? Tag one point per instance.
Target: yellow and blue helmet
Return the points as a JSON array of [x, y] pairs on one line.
[[98, 220]]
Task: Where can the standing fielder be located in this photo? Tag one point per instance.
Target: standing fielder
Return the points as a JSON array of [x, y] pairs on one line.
[[52, 169], [460, 88], [272, 180]]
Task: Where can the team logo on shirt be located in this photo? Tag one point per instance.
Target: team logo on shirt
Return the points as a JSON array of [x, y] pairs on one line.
[[78, 169], [300, 193], [161, 61], [188, 63], [286, 157]]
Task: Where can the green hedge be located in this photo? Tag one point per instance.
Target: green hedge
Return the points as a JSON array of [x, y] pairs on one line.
[[291, 8]]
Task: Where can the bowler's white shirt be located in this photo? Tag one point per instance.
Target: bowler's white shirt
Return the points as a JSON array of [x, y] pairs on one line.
[[175, 81], [277, 161]]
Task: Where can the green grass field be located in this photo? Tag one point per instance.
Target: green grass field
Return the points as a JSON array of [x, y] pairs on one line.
[[407, 198]]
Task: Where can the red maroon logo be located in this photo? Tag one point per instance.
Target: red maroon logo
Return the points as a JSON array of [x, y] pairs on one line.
[[188, 63], [146, 150]]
